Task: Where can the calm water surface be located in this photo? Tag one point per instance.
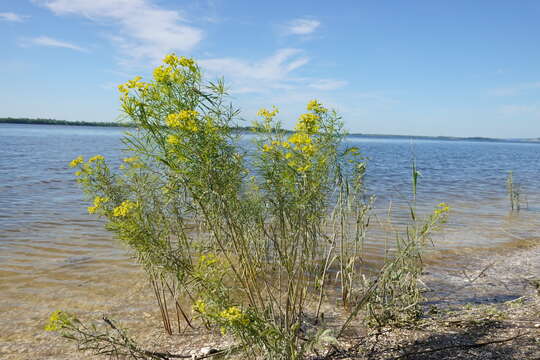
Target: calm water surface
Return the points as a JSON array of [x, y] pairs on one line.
[[54, 255]]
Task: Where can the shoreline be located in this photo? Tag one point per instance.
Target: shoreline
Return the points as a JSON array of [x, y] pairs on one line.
[[249, 129], [490, 309], [493, 297]]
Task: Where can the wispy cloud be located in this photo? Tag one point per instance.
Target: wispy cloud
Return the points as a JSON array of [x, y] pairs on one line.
[[514, 90], [269, 73], [276, 72], [301, 26], [141, 29], [51, 42], [9, 16]]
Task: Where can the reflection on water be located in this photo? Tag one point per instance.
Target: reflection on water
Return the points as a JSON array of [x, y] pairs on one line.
[[54, 255]]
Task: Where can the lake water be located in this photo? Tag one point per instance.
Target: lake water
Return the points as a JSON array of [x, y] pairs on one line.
[[54, 255]]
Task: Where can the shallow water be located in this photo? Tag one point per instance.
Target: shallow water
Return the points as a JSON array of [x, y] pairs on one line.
[[54, 255]]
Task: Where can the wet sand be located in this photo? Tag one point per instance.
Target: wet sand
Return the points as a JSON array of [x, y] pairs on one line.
[[488, 309], [491, 295]]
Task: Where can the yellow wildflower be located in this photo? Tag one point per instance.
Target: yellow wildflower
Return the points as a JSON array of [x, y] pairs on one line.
[[76, 161], [171, 59], [173, 140], [208, 260], [187, 62], [123, 89], [96, 158], [133, 83], [268, 114], [288, 155], [200, 307], [308, 123], [131, 159], [234, 315], [267, 148], [300, 139], [315, 106], [308, 149], [304, 168], [185, 120], [98, 201], [124, 208], [286, 145], [442, 208], [57, 321], [162, 74]]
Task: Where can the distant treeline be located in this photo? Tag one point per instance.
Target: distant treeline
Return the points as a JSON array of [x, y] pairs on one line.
[[84, 123], [61, 122], [251, 129], [87, 123]]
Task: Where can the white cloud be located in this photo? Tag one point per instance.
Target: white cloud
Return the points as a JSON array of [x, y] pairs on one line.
[[9, 16], [302, 26], [50, 42], [268, 75], [257, 76], [144, 30], [328, 84]]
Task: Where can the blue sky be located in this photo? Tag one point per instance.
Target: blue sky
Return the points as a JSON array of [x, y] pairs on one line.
[[455, 68]]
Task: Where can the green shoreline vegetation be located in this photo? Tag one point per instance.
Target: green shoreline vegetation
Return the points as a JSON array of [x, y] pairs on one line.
[[40, 121]]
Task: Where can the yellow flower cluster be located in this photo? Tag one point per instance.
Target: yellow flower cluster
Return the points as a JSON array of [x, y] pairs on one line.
[[300, 139], [173, 140], [268, 147], [268, 114], [185, 120], [131, 159], [234, 315], [190, 63], [124, 208], [98, 201], [441, 209], [171, 72], [208, 260], [315, 106], [96, 158], [200, 307], [303, 143], [308, 123], [171, 59], [78, 160], [162, 74], [304, 168], [174, 60], [57, 321], [136, 83]]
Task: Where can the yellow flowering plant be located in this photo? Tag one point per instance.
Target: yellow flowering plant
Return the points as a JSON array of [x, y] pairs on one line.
[[247, 237]]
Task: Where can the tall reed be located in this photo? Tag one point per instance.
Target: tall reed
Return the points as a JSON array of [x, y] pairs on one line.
[[514, 192]]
